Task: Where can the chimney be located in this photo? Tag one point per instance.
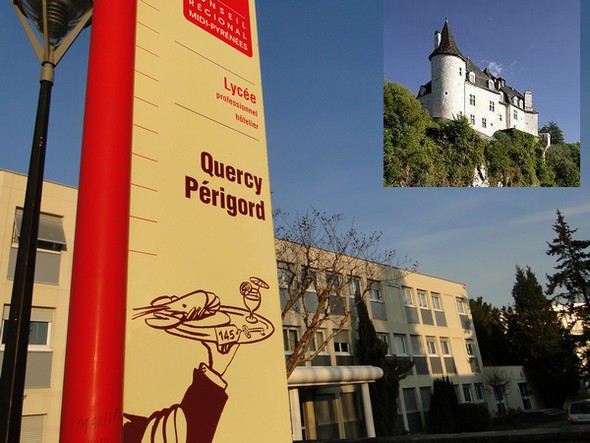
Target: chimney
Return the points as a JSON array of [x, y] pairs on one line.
[[528, 100], [436, 39]]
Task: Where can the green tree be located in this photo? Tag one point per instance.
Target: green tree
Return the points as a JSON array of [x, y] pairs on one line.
[[460, 151], [514, 158], [563, 160], [555, 131], [384, 392], [408, 153], [570, 284], [548, 355], [490, 329]]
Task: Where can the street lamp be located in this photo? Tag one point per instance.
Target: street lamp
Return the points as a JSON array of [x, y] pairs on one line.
[[59, 22]]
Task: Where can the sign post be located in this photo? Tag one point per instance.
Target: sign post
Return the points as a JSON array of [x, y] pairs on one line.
[[93, 382]]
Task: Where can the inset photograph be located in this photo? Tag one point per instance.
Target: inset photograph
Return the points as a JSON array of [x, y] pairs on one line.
[[481, 95]]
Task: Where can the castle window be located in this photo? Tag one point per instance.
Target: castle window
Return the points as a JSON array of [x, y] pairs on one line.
[[500, 117], [492, 106], [491, 84], [472, 77], [472, 99], [472, 119], [515, 115], [484, 123], [460, 72]]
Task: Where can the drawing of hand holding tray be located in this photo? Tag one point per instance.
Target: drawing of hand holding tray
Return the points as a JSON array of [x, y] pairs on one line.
[[199, 315]]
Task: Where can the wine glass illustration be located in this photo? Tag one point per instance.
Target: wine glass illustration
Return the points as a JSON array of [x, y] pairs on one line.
[[250, 290]]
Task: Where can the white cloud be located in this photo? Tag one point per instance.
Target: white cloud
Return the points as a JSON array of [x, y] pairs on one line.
[[495, 68]]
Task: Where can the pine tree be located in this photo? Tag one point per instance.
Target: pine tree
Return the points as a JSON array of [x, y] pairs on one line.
[[536, 335], [570, 284], [490, 329]]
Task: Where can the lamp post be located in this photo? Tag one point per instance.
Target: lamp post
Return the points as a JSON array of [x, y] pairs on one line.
[[60, 22]]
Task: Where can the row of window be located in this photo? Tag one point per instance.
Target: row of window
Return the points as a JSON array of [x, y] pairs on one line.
[[291, 336], [341, 343], [433, 301], [310, 279], [411, 404], [401, 347]]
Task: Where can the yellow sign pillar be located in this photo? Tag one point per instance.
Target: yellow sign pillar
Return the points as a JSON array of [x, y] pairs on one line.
[[204, 355]]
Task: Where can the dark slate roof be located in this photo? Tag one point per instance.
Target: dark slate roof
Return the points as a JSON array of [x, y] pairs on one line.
[[481, 78], [447, 43]]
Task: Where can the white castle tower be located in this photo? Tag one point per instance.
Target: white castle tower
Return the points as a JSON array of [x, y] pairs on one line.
[[448, 70], [459, 88]]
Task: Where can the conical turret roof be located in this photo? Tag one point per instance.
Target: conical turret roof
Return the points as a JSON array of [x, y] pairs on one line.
[[447, 43]]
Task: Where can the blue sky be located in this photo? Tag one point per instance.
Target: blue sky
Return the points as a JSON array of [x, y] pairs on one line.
[[322, 68]]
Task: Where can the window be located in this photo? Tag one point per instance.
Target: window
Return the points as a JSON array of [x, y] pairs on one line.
[[290, 339], [460, 71], [308, 277], [355, 287], [342, 343], [515, 115], [400, 344], [417, 345], [40, 352], [500, 117], [484, 123], [431, 345], [317, 341], [436, 304], [51, 241], [285, 275], [422, 299], [472, 77], [472, 99], [408, 299], [491, 84], [470, 348], [479, 392], [39, 329], [51, 232], [384, 337], [461, 305], [472, 119], [444, 346], [374, 291], [333, 282], [467, 394], [492, 106]]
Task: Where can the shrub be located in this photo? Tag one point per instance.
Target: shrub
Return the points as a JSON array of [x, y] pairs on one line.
[[473, 418]]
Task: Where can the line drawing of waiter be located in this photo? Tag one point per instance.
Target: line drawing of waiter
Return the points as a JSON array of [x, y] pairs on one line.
[[221, 329]]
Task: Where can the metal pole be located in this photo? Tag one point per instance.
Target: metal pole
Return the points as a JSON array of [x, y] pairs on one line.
[[12, 381]]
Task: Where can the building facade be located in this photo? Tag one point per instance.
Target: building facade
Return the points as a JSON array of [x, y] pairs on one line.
[[458, 87], [421, 318], [49, 317]]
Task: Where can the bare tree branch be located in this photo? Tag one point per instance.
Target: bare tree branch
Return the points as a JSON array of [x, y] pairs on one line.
[[323, 269]]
